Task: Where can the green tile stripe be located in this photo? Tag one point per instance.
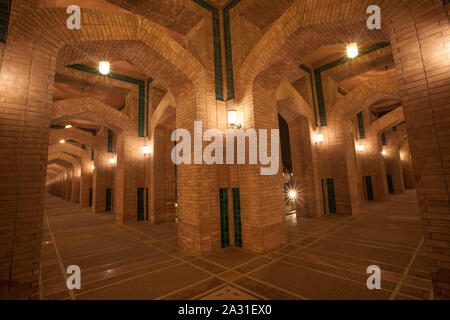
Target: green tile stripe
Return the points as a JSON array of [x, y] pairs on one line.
[[362, 133], [383, 139], [139, 83], [390, 184], [323, 198], [217, 47], [146, 204], [331, 196], [224, 226], [72, 155], [108, 200], [369, 188], [92, 155], [149, 81], [140, 204], [318, 77], [110, 140], [308, 70], [5, 6], [341, 91], [228, 49], [91, 131], [237, 217]]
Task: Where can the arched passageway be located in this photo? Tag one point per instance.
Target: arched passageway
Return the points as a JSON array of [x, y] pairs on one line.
[[363, 131]]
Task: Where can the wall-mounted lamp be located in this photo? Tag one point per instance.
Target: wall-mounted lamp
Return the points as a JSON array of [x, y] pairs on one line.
[[92, 167], [360, 148], [62, 141], [113, 161], [384, 153], [68, 126], [104, 67], [318, 138], [232, 120], [146, 150], [352, 50]]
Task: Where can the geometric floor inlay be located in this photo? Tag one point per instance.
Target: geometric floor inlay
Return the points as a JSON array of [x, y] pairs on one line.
[[229, 293]]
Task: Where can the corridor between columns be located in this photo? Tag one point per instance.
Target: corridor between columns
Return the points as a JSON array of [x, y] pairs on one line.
[[224, 133], [143, 261]]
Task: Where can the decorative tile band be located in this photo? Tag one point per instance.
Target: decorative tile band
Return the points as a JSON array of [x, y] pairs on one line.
[[318, 77], [217, 47], [149, 81], [139, 83], [362, 133], [308, 70], [5, 6], [228, 49]]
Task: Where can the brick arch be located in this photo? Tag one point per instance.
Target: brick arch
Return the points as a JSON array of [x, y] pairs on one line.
[[67, 148], [307, 27], [59, 155], [389, 120], [93, 109], [291, 103], [165, 112], [72, 133], [363, 96], [157, 51], [57, 167]]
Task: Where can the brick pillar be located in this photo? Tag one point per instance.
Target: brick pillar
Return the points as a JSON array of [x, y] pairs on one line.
[[344, 171], [86, 178], [63, 185], [26, 75], [198, 188], [420, 46], [407, 167], [163, 175], [262, 196], [309, 203], [393, 162], [371, 163], [102, 178], [128, 176]]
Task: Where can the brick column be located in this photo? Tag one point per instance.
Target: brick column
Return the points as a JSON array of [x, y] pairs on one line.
[[420, 43], [309, 203], [102, 178], [86, 178], [372, 164], [163, 175], [393, 162], [262, 196], [344, 171]]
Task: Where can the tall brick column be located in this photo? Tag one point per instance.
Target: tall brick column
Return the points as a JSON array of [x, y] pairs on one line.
[[420, 42], [102, 178], [393, 162], [262, 196]]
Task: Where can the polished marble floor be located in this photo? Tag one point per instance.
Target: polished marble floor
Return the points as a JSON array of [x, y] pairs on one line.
[[325, 258]]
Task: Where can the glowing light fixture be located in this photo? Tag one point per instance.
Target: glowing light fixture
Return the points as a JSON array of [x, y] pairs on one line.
[[292, 194], [361, 148], [384, 152], [104, 67], [68, 126], [146, 150], [92, 167], [352, 50], [113, 161], [318, 138], [62, 141], [232, 119]]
